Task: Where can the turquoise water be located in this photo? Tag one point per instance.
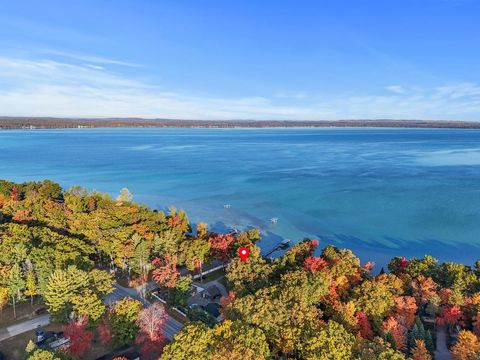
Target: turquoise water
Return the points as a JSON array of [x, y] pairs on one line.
[[381, 192]]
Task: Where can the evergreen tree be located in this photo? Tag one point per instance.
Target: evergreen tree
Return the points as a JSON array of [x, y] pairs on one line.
[[429, 342]]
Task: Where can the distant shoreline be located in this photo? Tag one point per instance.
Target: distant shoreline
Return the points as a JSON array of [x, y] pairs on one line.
[[79, 123]]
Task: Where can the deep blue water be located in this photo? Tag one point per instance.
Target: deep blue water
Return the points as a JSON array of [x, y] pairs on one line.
[[380, 192]]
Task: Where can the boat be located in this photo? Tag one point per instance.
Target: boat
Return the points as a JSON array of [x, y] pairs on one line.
[[284, 244]]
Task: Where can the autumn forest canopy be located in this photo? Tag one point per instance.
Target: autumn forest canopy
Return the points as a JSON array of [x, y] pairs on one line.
[[68, 247]]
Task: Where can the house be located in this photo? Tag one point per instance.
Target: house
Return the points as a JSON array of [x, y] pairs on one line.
[[212, 293]]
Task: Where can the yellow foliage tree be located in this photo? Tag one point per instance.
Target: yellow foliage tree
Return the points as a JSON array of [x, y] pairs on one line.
[[420, 352], [467, 346]]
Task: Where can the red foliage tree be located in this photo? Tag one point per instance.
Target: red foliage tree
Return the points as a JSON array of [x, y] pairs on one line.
[[104, 332], [402, 264], [314, 263], [225, 301], [363, 326], [220, 245], [445, 296], [150, 337], [397, 330], [80, 338], [368, 266], [15, 195], [166, 273], [450, 315], [406, 308]]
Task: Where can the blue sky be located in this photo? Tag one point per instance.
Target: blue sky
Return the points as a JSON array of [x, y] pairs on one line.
[[408, 59]]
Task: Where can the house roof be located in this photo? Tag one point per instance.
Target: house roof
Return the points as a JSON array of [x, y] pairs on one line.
[[214, 291]]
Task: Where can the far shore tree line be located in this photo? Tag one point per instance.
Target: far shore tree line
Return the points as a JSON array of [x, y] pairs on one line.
[[69, 247]]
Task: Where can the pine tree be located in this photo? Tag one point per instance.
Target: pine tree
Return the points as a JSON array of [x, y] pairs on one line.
[[413, 337], [429, 342]]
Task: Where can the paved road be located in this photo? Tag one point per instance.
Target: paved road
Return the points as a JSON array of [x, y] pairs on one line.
[[25, 326], [172, 326], [442, 352]]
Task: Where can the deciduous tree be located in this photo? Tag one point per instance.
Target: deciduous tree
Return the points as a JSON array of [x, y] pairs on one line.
[[80, 338], [150, 336], [467, 346]]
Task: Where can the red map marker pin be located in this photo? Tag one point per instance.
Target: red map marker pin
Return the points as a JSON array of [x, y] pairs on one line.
[[243, 253]]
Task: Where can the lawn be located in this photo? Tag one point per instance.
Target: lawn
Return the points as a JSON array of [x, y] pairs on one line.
[[13, 348], [25, 311]]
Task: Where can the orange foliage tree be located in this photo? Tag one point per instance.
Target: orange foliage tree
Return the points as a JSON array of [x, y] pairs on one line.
[[467, 346], [406, 307]]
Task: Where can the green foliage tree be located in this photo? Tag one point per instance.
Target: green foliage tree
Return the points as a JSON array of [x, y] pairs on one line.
[[31, 286], [123, 321], [15, 284], [332, 342]]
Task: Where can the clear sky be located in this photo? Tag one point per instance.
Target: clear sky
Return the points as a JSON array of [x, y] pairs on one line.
[[249, 59]]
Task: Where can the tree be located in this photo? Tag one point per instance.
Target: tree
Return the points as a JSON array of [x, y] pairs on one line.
[[101, 281], [363, 326], [467, 346], [80, 338], [332, 342], [221, 246], [41, 354], [31, 286], [30, 347], [397, 331], [165, 273], [314, 263], [250, 274], [406, 308], [4, 295], [378, 349], [235, 340], [78, 291], [16, 284], [87, 303], [123, 321], [420, 352], [450, 315], [193, 342], [150, 337], [194, 253], [62, 286], [374, 298], [104, 331], [125, 196], [423, 288]]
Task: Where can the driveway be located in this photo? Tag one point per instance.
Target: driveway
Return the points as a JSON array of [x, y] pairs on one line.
[[172, 326], [25, 326], [442, 352]]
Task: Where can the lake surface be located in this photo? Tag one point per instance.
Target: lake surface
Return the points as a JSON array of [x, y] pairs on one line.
[[380, 192]]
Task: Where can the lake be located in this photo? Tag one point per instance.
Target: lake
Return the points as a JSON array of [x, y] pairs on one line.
[[379, 192]]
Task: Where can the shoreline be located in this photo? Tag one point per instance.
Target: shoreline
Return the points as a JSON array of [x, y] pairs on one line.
[[33, 123]]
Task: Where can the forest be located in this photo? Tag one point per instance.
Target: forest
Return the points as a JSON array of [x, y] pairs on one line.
[[69, 247]]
